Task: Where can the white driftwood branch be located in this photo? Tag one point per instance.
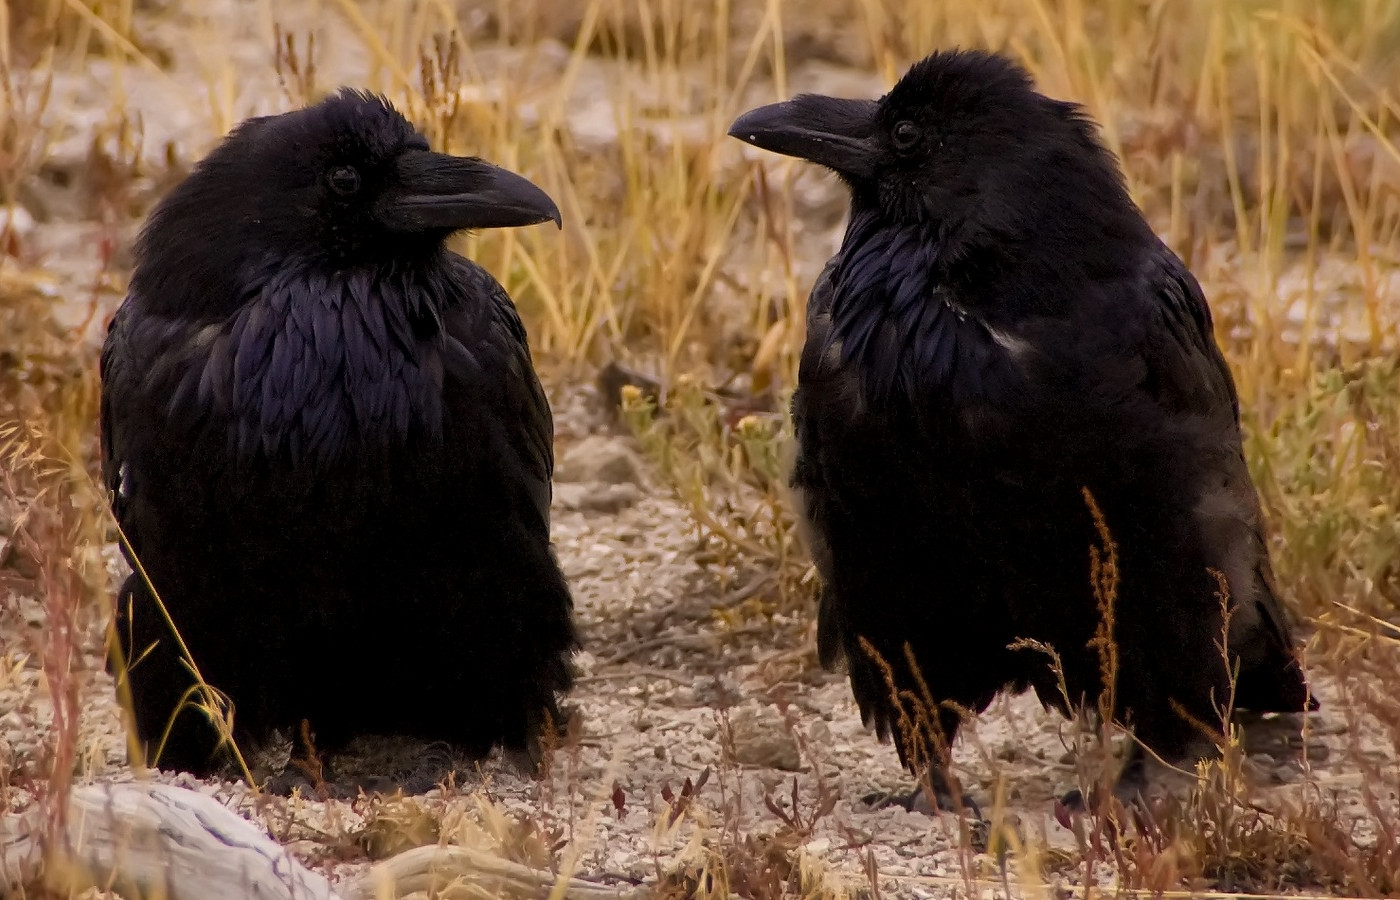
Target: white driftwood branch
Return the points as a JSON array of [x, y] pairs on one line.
[[478, 873], [161, 838], [158, 838]]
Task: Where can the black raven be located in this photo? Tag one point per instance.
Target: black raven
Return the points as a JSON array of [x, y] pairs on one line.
[[1001, 331], [326, 443]]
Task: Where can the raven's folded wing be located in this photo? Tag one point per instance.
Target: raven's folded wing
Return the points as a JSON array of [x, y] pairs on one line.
[[1186, 372], [808, 480], [487, 353], [120, 383]]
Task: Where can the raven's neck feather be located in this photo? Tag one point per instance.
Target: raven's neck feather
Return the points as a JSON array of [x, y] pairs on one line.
[[323, 366]]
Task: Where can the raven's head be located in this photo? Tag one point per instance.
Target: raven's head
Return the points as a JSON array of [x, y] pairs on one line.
[[348, 181], [962, 143]]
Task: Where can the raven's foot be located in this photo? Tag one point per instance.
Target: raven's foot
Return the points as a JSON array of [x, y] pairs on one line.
[[1129, 788], [312, 780], [1279, 737], [292, 779], [431, 766], [555, 731], [436, 763], [946, 797], [1142, 784]]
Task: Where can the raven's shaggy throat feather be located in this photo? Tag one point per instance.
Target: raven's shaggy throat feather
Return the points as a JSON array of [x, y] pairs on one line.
[[314, 367], [896, 325]]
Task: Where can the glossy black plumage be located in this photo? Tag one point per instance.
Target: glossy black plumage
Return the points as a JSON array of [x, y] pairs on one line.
[[327, 445], [1000, 329]]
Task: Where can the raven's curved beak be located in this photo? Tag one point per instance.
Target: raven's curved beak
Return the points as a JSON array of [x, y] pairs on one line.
[[829, 131], [438, 192]]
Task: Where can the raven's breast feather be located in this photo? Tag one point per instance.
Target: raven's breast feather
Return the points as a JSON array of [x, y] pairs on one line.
[[309, 382], [931, 349]]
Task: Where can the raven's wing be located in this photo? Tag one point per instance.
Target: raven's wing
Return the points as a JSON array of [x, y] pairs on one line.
[[499, 459], [487, 354], [150, 370], [1187, 373], [120, 381], [808, 479]]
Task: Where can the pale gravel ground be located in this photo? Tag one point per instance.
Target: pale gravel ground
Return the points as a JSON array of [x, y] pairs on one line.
[[631, 557]]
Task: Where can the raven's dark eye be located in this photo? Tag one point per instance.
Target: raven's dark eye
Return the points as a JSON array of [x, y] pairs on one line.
[[906, 134], [344, 180]]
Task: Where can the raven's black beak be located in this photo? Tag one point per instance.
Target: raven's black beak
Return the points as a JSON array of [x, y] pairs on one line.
[[836, 133], [437, 192]]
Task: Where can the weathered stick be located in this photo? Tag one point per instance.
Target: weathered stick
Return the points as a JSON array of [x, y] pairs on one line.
[[475, 873], [158, 838], [184, 845]]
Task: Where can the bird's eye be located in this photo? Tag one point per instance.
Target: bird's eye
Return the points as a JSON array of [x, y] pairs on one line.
[[344, 180], [906, 134]]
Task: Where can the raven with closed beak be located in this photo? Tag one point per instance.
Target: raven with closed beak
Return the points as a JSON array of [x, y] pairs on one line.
[[1000, 332], [326, 444]]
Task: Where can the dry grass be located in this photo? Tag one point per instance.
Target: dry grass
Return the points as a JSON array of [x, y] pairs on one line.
[[1259, 137]]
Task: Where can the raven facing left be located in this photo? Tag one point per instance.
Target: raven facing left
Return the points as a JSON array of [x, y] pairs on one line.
[[326, 443], [1000, 331]]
